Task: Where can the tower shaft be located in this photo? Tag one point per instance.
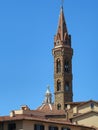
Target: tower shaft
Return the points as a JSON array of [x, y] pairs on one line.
[[62, 53]]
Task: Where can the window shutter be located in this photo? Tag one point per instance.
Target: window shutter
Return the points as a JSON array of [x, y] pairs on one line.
[[34, 127], [41, 127], [55, 128], [49, 127]]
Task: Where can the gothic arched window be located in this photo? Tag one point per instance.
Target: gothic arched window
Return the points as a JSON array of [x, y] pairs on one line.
[[58, 64], [58, 85], [67, 86], [59, 106], [67, 66]]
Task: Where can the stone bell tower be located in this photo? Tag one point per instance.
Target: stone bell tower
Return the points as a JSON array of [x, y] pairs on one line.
[[62, 53]]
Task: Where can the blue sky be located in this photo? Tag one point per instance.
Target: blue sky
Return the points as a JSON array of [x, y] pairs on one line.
[[27, 30]]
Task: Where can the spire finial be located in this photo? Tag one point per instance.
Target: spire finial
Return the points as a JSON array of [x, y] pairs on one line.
[[48, 87], [62, 2]]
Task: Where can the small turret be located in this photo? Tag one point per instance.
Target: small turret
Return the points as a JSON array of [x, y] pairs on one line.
[[48, 96], [47, 104]]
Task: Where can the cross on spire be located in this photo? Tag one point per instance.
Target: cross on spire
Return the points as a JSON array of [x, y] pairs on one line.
[[62, 2]]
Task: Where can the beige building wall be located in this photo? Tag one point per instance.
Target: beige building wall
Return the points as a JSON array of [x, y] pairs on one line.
[[75, 110], [87, 107], [18, 125], [87, 120], [29, 125]]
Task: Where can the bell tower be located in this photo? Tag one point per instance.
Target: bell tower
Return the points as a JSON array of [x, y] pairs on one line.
[[62, 53]]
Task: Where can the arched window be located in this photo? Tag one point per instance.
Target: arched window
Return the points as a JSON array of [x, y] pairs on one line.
[[67, 66], [59, 106], [58, 64], [58, 85], [67, 86]]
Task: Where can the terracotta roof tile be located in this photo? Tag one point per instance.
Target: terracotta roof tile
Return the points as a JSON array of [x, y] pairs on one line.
[[34, 118], [87, 102], [50, 110]]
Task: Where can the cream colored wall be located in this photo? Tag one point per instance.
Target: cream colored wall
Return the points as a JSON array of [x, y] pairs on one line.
[[18, 111], [75, 110], [18, 125], [28, 125], [70, 113], [21, 112], [87, 120], [87, 107]]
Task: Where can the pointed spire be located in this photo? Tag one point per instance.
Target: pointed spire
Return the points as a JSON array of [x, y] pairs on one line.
[[62, 29], [62, 37]]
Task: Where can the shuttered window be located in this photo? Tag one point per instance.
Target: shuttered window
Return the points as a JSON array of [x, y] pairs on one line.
[[38, 127], [12, 126]]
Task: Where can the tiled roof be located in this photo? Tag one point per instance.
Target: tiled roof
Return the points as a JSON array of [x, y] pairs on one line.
[[74, 103], [50, 109], [35, 118], [46, 107], [83, 103], [29, 117]]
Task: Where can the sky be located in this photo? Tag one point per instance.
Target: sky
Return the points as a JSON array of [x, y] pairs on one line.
[[27, 29]]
